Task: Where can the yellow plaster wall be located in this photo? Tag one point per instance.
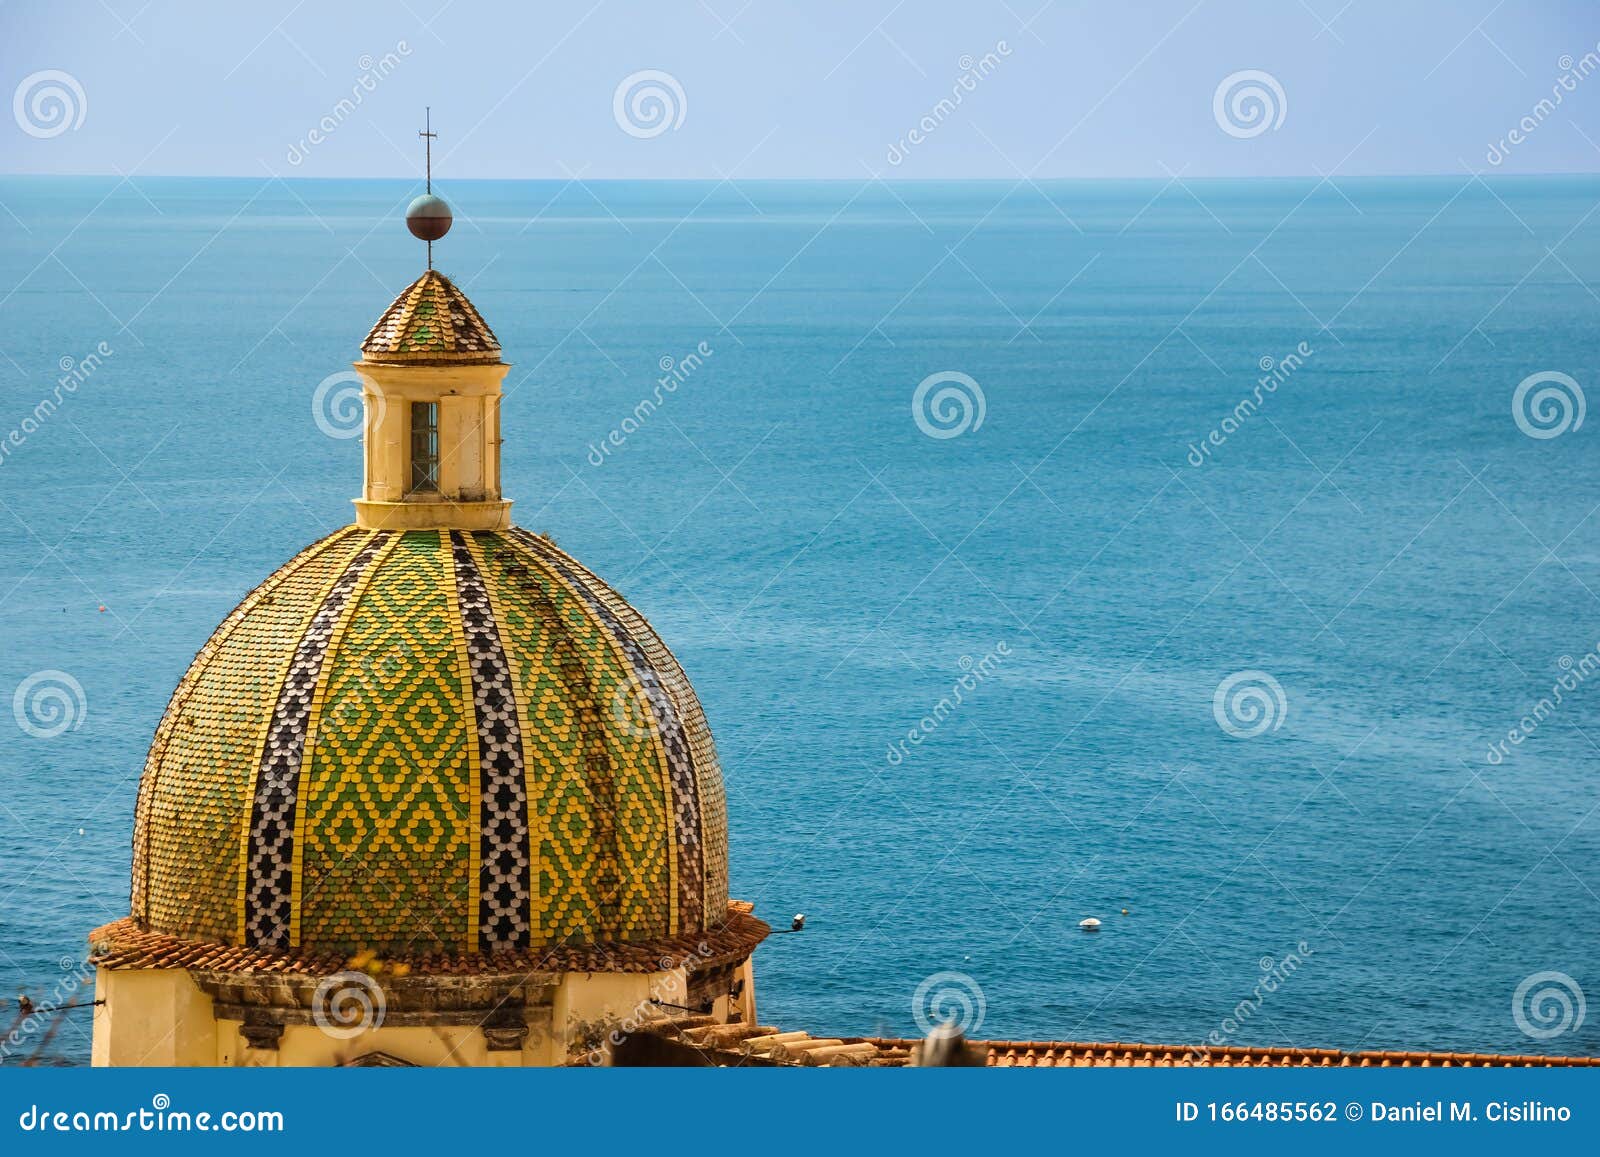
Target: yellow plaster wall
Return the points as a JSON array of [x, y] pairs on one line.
[[469, 447], [446, 1046], [162, 1017], [152, 1017], [747, 997]]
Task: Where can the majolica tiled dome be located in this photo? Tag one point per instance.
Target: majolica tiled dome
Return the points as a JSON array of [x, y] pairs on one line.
[[431, 322], [431, 741]]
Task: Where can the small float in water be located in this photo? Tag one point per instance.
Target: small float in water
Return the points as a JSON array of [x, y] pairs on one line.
[[1089, 925]]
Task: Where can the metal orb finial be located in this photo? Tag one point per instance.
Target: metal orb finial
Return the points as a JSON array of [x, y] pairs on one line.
[[428, 217]]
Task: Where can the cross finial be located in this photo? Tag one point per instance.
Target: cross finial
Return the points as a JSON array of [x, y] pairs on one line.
[[428, 217], [427, 134]]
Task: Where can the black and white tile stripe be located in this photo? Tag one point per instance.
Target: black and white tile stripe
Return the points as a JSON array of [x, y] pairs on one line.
[[269, 871], [504, 870]]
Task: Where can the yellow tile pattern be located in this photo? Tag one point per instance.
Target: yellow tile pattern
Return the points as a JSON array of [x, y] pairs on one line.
[[473, 769], [266, 883], [625, 771], [388, 821], [198, 780], [598, 812], [388, 824], [563, 868], [713, 804], [642, 702], [336, 714]]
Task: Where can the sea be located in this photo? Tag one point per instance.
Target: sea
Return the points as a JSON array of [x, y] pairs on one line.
[[1216, 560]]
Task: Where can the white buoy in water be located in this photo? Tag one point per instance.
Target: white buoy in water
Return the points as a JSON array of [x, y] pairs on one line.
[[1089, 925]]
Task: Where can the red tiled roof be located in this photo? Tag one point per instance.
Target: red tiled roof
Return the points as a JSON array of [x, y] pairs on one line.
[[732, 1044], [124, 945], [1073, 1054]]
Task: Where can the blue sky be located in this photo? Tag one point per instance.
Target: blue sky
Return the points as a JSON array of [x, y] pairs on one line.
[[821, 88]]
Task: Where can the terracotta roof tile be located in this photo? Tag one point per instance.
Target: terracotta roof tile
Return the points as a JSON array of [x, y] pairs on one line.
[[1060, 1054], [731, 1044], [124, 945]]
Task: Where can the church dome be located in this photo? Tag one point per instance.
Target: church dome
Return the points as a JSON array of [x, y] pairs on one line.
[[425, 742], [433, 791]]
